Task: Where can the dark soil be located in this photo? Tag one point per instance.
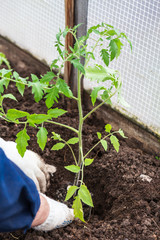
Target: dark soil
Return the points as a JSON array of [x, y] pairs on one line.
[[125, 207]]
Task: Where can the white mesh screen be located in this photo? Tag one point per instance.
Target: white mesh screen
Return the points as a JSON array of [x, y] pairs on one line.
[[33, 24], [140, 70]]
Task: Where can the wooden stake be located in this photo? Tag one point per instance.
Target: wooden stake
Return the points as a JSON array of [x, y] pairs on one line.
[[69, 41]]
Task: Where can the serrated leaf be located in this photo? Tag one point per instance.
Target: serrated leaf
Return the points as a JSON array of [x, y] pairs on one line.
[[56, 112], [58, 146], [37, 88], [20, 84], [5, 72], [4, 59], [73, 168], [70, 192], [76, 63], [42, 137], [20, 87], [105, 56], [77, 26], [115, 48], [9, 96], [91, 29], [99, 135], [64, 88], [53, 64], [5, 75], [122, 133], [47, 77], [51, 97], [104, 144], [106, 96], [108, 128], [65, 31], [85, 195], [14, 114], [73, 140], [78, 209], [94, 94], [88, 161], [99, 73], [115, 142], [22, 141], [38, 118], [124, 35]]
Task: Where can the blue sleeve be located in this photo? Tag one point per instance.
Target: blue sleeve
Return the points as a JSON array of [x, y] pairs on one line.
[[19, 198]]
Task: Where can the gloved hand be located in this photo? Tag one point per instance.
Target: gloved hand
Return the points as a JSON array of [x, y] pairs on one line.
[[31, 164], [59, 215]]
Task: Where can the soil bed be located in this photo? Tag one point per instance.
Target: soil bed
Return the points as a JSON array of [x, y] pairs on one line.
[[125, 207]]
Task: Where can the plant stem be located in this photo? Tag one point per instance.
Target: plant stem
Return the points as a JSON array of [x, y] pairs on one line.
[[63, 125], [98, 106], [80, 159], [99, 143], [71, 151]]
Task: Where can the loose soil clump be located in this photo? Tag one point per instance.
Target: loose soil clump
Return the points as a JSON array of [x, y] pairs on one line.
[[126, 207]]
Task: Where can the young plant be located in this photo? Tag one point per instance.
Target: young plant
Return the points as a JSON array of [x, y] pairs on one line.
[[49, 87]]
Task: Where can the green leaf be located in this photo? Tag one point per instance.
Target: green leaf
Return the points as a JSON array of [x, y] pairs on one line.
[[77, 26], [94, 94], [105, 56], [70, 192], [78, 209], [14, 114], [88, 161], [42, 137], [115, 48], [104, 144], [4, 59], [52, 97], [22, 141], [53, 64], [115, 142], [9, 96], [106, 96], [99, 135], [124, 35], [20, 84], [47, 77], [99, 73], [58, 146], [76, 63], [5, 75], [108, 128], [73, 140], [85, 195], [66, 30], [64, 88], [37, 88], [122, 133], [56, 112], [92, 29], [38, 118], [73, 168]]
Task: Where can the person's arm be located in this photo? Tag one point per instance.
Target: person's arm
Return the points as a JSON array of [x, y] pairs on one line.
[[19, 198], [22, 206]]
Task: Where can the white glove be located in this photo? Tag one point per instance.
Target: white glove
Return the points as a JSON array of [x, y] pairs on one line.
[[59, 216], [31, 164]]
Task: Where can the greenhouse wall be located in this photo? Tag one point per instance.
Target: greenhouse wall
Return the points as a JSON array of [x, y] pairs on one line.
[[32, 25]]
